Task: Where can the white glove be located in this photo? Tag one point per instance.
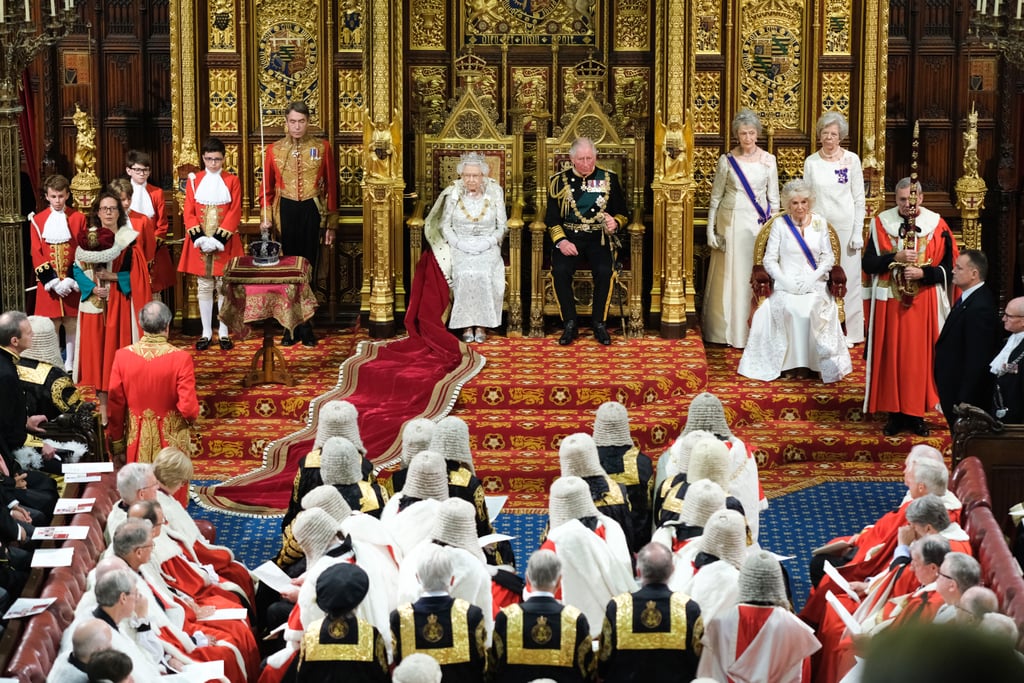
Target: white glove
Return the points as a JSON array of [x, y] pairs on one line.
[[712, 238], [856, 242], [60, 288], [72, 285], [216, 243], [475, 245], [204, 244], [797, 283], [50, 284]]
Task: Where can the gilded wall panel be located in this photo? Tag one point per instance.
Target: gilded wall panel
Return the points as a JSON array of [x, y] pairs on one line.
[[288, 46], [705, 159], [835, 92], [530, 87], [350, 100], [350, 174], [428, 25], [771, 79], [707, 103], [221, 26], [528, 22], [350, 24], [428, 88], [572, 90], [838, 20], [632, 25], [256, 153], [791, 163], [707, 29], [632, 89], [223, 100], [231, 159]]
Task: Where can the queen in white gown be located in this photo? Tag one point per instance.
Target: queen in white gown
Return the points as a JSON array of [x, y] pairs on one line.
[[798, 325], [733, 224], [836, 176], [465, 229]]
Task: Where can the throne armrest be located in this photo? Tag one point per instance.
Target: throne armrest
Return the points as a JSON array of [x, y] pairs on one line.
[[761, 282]]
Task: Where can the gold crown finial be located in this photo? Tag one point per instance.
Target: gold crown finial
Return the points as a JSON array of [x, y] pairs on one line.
[[470, 67], [591, 71]]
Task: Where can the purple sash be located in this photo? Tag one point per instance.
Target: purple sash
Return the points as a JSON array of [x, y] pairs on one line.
[[762, 213], [800, 241]]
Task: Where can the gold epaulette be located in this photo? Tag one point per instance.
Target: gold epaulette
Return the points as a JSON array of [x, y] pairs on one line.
[[312, 459]]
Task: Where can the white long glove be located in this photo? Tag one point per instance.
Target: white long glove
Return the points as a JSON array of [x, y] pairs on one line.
[[72, 285], [856, 242], [713, 240]]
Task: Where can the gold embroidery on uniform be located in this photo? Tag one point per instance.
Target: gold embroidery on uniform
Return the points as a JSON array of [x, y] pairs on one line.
[[432, 631], [176, 432], [368, 502], [541, 632], [651, 615], [613, 496], [313, 459], [457, 653], [673, 639], [152, 346], [629, 475], [563, 656], [698, 636], [671, 500], [298, 167], [60, 386], [361, 651], [460, 477], [338, 629], [36, 375], [145, 429]]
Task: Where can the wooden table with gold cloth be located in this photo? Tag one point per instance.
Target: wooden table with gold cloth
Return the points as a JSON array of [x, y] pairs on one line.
[[281, 293]]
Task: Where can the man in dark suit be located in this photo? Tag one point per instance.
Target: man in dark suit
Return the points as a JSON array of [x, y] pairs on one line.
[[965, 344], [1008, 397], [542, 638]]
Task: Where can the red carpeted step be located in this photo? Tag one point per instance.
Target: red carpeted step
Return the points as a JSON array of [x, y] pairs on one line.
[[228, 446]]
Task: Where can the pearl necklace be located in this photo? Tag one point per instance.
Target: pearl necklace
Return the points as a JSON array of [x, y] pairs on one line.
[[836, 156], [468, 215]]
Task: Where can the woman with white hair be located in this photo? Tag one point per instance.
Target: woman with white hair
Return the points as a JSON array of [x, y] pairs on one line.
[[744, 194], [836, 176], [465, 229], [797, 327]]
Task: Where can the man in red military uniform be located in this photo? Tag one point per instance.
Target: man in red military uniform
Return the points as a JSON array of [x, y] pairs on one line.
[[902, 326], [148, 200], [152, 401], [300, 186], [53, 253], [213, 209]]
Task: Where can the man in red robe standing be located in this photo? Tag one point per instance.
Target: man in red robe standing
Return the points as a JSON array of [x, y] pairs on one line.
[[152, 401], [903, 323]]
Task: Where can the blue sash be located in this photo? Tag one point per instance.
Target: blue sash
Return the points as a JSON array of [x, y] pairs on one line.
[[762, 213], [800, 241]]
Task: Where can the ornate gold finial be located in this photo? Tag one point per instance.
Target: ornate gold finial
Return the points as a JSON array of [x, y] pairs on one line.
[[471, 68], [970, 187], [86, 184], [591, 72]]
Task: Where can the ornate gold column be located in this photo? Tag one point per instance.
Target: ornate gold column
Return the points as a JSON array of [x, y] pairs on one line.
[[383, 184], [970, 187], [875, 88], [22, 38], [672, 292]]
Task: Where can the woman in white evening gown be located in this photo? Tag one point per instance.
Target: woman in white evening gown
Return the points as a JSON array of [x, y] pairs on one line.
[[837, 179], [734, 219], [797, 327], [465, 229]]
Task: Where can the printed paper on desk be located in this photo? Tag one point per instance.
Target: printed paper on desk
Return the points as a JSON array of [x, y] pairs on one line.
[[272, 575], [26, 607], [53, 557], [80, 478], [201, 672], [72, 506], [852, 625], [840, 580], [229, 614], [494, 505], [60, 533], [87, 467]]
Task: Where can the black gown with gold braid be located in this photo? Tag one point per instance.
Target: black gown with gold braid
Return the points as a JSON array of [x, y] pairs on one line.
[[541, 638], [448, 629]]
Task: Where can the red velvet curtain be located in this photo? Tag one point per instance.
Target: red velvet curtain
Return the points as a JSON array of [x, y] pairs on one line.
[[27, 129]]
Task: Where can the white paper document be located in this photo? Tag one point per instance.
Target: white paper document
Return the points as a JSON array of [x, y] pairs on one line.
[[852, 625], [488, 539], [26, 607], [80, 478], [72, 506], [228, 614], [494, 505], [840, 581], [52, 557], [60, 533], [87, 467], [198, 672], [272, 575]]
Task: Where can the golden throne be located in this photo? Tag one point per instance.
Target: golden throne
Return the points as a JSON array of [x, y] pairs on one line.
[[617, 152], [471, 126]]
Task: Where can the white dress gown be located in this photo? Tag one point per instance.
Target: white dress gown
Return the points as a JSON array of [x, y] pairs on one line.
[[839, 197], [727, 294], [474, 228], [798, 325]]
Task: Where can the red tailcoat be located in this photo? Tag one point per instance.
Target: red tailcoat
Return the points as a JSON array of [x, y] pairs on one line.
[[192, 259], [163, 274], [153, 393], [53, 261]]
